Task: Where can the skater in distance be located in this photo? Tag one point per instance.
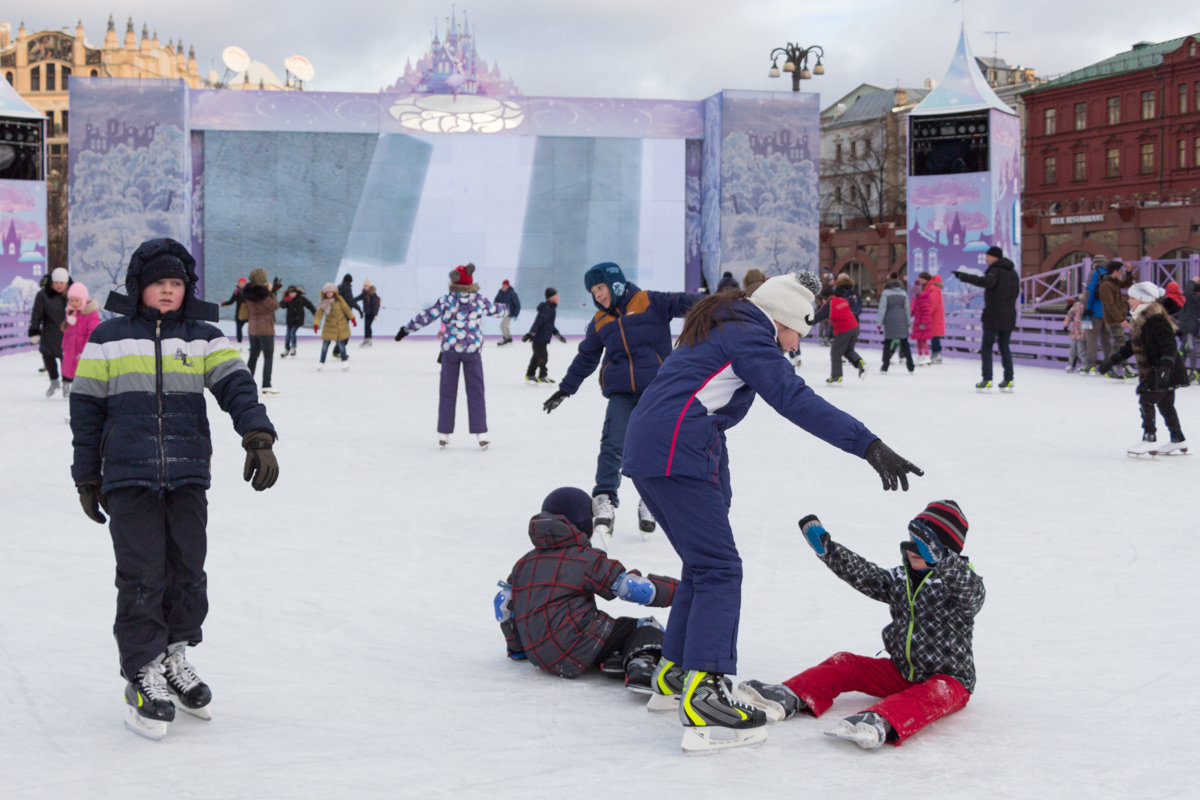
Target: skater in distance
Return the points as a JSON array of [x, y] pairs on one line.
[[1001, 288], [142, 453], [539, 338], [929, 673], [729, 352], [547, 607]]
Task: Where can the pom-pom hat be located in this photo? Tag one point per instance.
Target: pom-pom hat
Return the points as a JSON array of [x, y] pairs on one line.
[[947, 521]]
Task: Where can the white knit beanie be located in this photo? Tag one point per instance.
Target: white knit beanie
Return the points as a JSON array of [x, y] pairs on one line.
[[59, 275], [1146, 291], [785, 300]]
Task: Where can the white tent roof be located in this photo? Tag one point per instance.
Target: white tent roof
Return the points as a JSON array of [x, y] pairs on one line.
[[962, 88], [12, 105]]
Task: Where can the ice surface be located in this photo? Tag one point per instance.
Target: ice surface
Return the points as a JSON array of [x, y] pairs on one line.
[[351, 646]]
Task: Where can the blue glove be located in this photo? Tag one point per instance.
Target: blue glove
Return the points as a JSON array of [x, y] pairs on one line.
[[503, 602], [634, 588], [815, 533], [929, 546]]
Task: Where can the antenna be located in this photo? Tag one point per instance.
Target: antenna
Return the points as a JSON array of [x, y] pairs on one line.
[[235, 59], [300, 67], [995, 43]]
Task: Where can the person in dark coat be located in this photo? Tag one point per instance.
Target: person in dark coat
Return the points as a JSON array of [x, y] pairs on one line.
[[46, 323], [1189, 325], [727, 282], [547, 607], [539, 335], [628, 338], [371, 304], [1160, 369], [1115, 310], [261, 304], [1002, 288], [295, 303], [143, 453], [241, 315], [893, 316], [729, 352], [507, 296], [346, 290]]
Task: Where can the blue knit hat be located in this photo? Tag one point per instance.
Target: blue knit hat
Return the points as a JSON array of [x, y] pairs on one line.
[[607, 273], [574, 504]]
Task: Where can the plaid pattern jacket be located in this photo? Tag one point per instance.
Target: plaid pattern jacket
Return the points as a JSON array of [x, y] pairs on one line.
[[932, 622], [554, 616]]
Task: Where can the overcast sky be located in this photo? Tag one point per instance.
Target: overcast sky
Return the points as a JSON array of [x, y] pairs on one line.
[[637, 48]]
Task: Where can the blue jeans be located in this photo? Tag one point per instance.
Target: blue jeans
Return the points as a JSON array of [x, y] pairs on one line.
[[289, 338], [612, 444], [339, 349], [991, 337]]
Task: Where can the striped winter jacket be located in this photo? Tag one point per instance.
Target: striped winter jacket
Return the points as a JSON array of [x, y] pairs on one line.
[[628, 342], [933, 622], [138, 415], [555, 621], [678, 427]]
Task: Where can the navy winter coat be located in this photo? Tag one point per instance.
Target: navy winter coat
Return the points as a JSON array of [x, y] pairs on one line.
[[628, 341], [138, 413], [509, 298], [678, 427], [555, 621], [543, 325]]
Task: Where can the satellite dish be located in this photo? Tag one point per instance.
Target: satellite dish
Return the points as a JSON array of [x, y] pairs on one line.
[[235, 58], [212, 77], [299, 66]]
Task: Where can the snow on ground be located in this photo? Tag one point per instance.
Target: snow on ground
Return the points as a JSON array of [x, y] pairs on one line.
[[351, 646]]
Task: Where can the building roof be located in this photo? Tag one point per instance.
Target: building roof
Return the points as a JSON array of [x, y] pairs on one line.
[[962, 88], [12, 105], [873, 106], [1142, 55]]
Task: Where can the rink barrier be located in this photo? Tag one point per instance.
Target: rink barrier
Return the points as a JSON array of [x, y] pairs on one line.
[[14, 333]]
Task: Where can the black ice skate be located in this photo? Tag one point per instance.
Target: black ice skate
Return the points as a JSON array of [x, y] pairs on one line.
[[713, 719], [149, 708], [191, 693], [1006, 385], [666, 686], [868, 730], [777, 701], [645, 519]]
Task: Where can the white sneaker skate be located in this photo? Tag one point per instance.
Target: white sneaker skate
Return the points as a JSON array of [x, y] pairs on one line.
[[868, 730], [645, 519], [1146, 447], [483, 440], [443, 440], [603, 516]]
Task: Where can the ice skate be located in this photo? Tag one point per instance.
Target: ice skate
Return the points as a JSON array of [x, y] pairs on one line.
[[775, 700], [482, 438], [666, 686], [530, 380], [983, 386], [1174, 447], [443, 440], [320, 366], [1148, 446], [862, 369], [1006, 385], [603, 515], [645, 519], [148, 702], [544, 379], [936, 358], [868, 730], [345, 365], [833, 380], [55, 385], [795, 359], [66, 388], [713, 719], [192, 695], [292, 352]]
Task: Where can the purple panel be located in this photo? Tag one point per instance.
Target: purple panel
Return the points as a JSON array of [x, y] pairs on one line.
[[197, 243], [326, 112], [710, 191], [22, 244], [1005, 150], [693, 229]]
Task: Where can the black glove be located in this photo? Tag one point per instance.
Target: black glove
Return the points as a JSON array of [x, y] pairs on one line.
[[527, 337], [400, 334], [261, 468], [891, 467], [560, 337], [1162, 374], [554, 400], [92, 501]]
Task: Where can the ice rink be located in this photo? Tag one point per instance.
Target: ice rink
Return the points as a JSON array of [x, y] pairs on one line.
[[352, 651]]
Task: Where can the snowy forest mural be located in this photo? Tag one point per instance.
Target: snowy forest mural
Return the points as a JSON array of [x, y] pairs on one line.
[[22, 243]]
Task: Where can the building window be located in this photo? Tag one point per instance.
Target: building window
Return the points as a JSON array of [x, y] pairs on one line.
[[1114, 111], [1049, 172], [1048, 120], [1147, 162], [1080, 116], [1148, 104], [1196, 151], [51, 84], [35, 79], [1080, 164], [9, 76], [853, 149], [64, 121], [65, 72], [1112, 158], [50, 122], [1182, 154], [95, 74], [837, 152], [1183, 98]]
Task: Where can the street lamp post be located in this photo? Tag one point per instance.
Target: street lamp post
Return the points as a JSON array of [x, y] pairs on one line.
[[796, 62]]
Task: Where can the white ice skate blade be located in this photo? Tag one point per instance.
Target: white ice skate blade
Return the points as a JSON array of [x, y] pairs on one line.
[[773, 710], [659, 703], [203, 712], [861, 736], [605, 533], [154, 729], [712, 738], [640, 689]]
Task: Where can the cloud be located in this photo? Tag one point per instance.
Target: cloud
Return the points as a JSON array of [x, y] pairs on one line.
[[945, 192], [14, 198]]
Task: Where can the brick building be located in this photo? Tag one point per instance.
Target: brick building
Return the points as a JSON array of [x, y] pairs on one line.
[[1113, 158]]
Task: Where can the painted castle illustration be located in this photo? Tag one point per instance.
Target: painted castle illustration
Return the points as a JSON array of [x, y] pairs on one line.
[[454, 67]]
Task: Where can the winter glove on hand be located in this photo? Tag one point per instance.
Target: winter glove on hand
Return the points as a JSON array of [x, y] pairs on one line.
[[35, 339], [261, 468], [354, 321], [815, 533], [560, 337], [891, 467], [1162, 374], [929, 546], [316, 328], [634, 588], [554, 400], [400, 334], [91, 500], [527, 337]]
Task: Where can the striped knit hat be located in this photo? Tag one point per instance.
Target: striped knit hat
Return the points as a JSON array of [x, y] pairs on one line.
[[947, 521]]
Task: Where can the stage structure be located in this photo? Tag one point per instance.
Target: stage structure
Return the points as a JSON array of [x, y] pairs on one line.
[[403, 185], [963, 180], [22, 208]]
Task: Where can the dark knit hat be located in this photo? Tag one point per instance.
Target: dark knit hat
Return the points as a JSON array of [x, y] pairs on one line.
[[995, 252], [947, 521], [574, 504], [162, 266], [550, 292]]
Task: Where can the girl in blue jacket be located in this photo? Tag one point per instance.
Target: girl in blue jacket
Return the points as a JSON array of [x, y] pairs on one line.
[[731, 349]]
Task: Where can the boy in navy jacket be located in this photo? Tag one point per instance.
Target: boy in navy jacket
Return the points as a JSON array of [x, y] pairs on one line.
[[539, 336]]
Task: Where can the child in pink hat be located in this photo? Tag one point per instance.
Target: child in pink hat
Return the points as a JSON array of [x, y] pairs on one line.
[[83, 315]]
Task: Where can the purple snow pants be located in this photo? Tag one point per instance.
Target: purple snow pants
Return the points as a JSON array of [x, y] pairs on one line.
[[472, 367]]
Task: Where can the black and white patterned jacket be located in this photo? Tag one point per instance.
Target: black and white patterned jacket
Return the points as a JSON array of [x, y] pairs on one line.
[[932, 621]]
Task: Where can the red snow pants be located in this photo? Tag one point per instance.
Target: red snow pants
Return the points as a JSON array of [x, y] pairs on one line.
[[907, 706]]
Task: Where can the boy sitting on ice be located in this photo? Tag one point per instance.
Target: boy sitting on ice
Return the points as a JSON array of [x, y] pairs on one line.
[[934, 597], [547, 607]]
